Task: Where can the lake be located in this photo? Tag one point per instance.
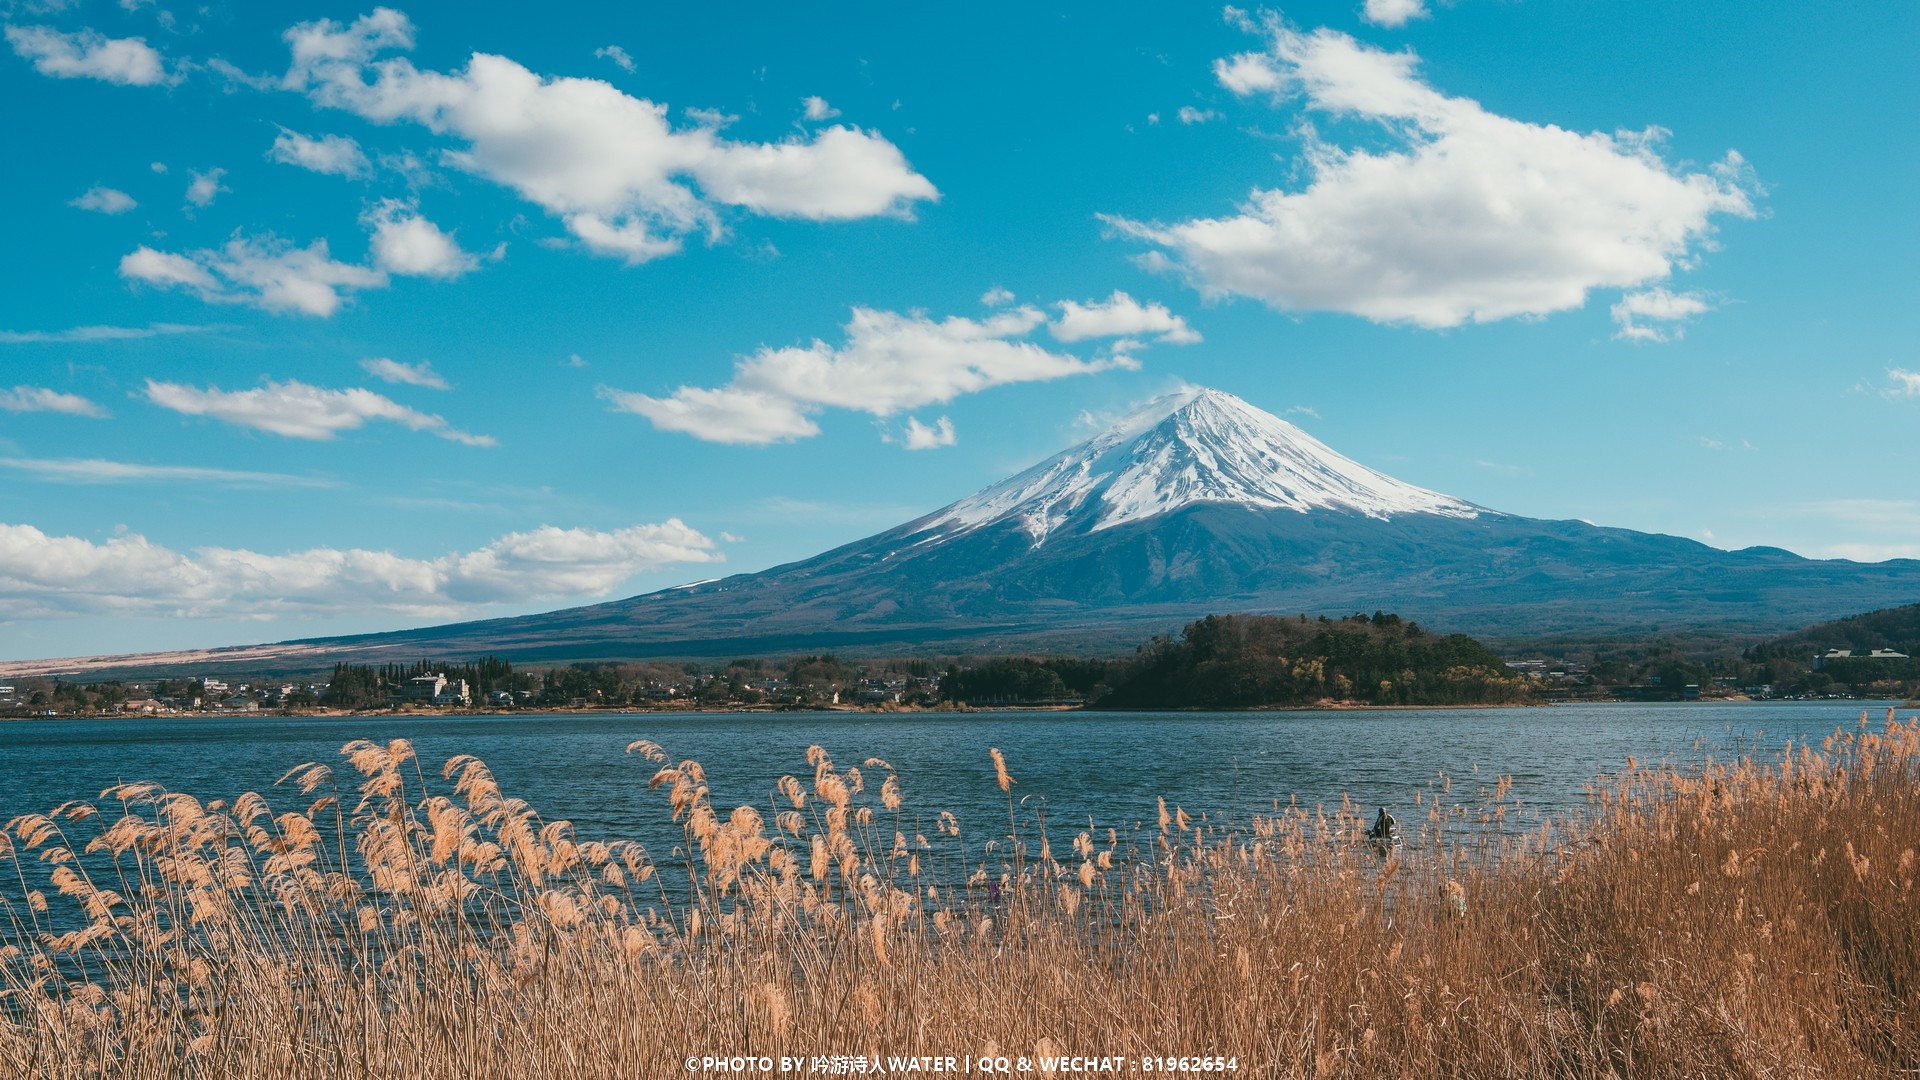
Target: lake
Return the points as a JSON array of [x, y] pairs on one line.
[[1103, 767]]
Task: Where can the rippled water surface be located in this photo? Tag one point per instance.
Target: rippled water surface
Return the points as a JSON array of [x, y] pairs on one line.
[[1107, 767]]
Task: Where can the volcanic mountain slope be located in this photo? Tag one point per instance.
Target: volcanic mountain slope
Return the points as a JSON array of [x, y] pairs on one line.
[[1196, 503]]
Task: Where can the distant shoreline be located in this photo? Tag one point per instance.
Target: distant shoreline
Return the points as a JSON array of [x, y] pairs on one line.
[[854, 710]]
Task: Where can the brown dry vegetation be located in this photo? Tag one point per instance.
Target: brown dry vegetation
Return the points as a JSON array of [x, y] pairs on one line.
[[1748, 919]]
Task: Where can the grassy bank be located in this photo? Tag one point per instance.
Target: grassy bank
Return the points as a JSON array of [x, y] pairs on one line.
[[1754, 917]]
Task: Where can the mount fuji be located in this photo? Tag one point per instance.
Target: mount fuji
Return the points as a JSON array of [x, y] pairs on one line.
[[1197, 503]]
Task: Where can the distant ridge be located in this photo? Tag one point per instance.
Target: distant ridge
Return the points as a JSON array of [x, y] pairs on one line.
[[1197, 503]]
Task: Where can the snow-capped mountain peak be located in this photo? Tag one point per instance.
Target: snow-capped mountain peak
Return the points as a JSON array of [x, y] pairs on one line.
[[1194, 446]]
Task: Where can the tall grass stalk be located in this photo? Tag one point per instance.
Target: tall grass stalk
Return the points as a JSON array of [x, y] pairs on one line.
[[1745, 918]]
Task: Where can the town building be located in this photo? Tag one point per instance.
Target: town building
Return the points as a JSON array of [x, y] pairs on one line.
[[1857, 654]]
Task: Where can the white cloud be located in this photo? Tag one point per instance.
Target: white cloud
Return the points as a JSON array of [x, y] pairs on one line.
[[1120, 315], [1394, 13], [1902, 383], [265, 272], [205, 186], [99, 471], [732, 538], [1465, 217], [393, 371], [336, 155], [818, 109], [618, 55], [25, 399], [617, 173], [407, 244], [166, 270], [87, 54], [631, 240], [42, 575], [1636, 310], [104, 200], [1191, 115], [86, 334], [997, 297], [922, 437], [299, 411], [1247, 74], [709, 118], [889, 363], [725, 415]]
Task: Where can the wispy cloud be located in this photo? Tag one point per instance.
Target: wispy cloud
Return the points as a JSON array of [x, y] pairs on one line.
[[205, 186], [99, 471], [104, 200], [43, 576], [393, 371], [265, 272], [1902, 383], [88, 54], [26, 399], [299, 411], [86, 334], [1656, 315], [618, 55]]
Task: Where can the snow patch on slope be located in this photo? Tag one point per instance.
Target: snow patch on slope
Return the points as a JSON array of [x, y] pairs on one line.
[[1195, 446]]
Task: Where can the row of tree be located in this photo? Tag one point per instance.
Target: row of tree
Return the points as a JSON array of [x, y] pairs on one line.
[[354, 686], [803, 680], [1242, 661]]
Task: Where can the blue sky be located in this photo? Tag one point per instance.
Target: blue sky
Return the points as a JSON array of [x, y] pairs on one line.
[[324, 318]]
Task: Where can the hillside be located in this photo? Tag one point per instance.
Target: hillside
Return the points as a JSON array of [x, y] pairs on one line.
[[1895, 628]]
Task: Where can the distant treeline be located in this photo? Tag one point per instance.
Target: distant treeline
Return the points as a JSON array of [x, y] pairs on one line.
[[804, 681], [353, 686], [1242, 661]]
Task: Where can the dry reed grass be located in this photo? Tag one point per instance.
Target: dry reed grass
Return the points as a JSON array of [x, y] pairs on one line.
[[1745, 919]]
